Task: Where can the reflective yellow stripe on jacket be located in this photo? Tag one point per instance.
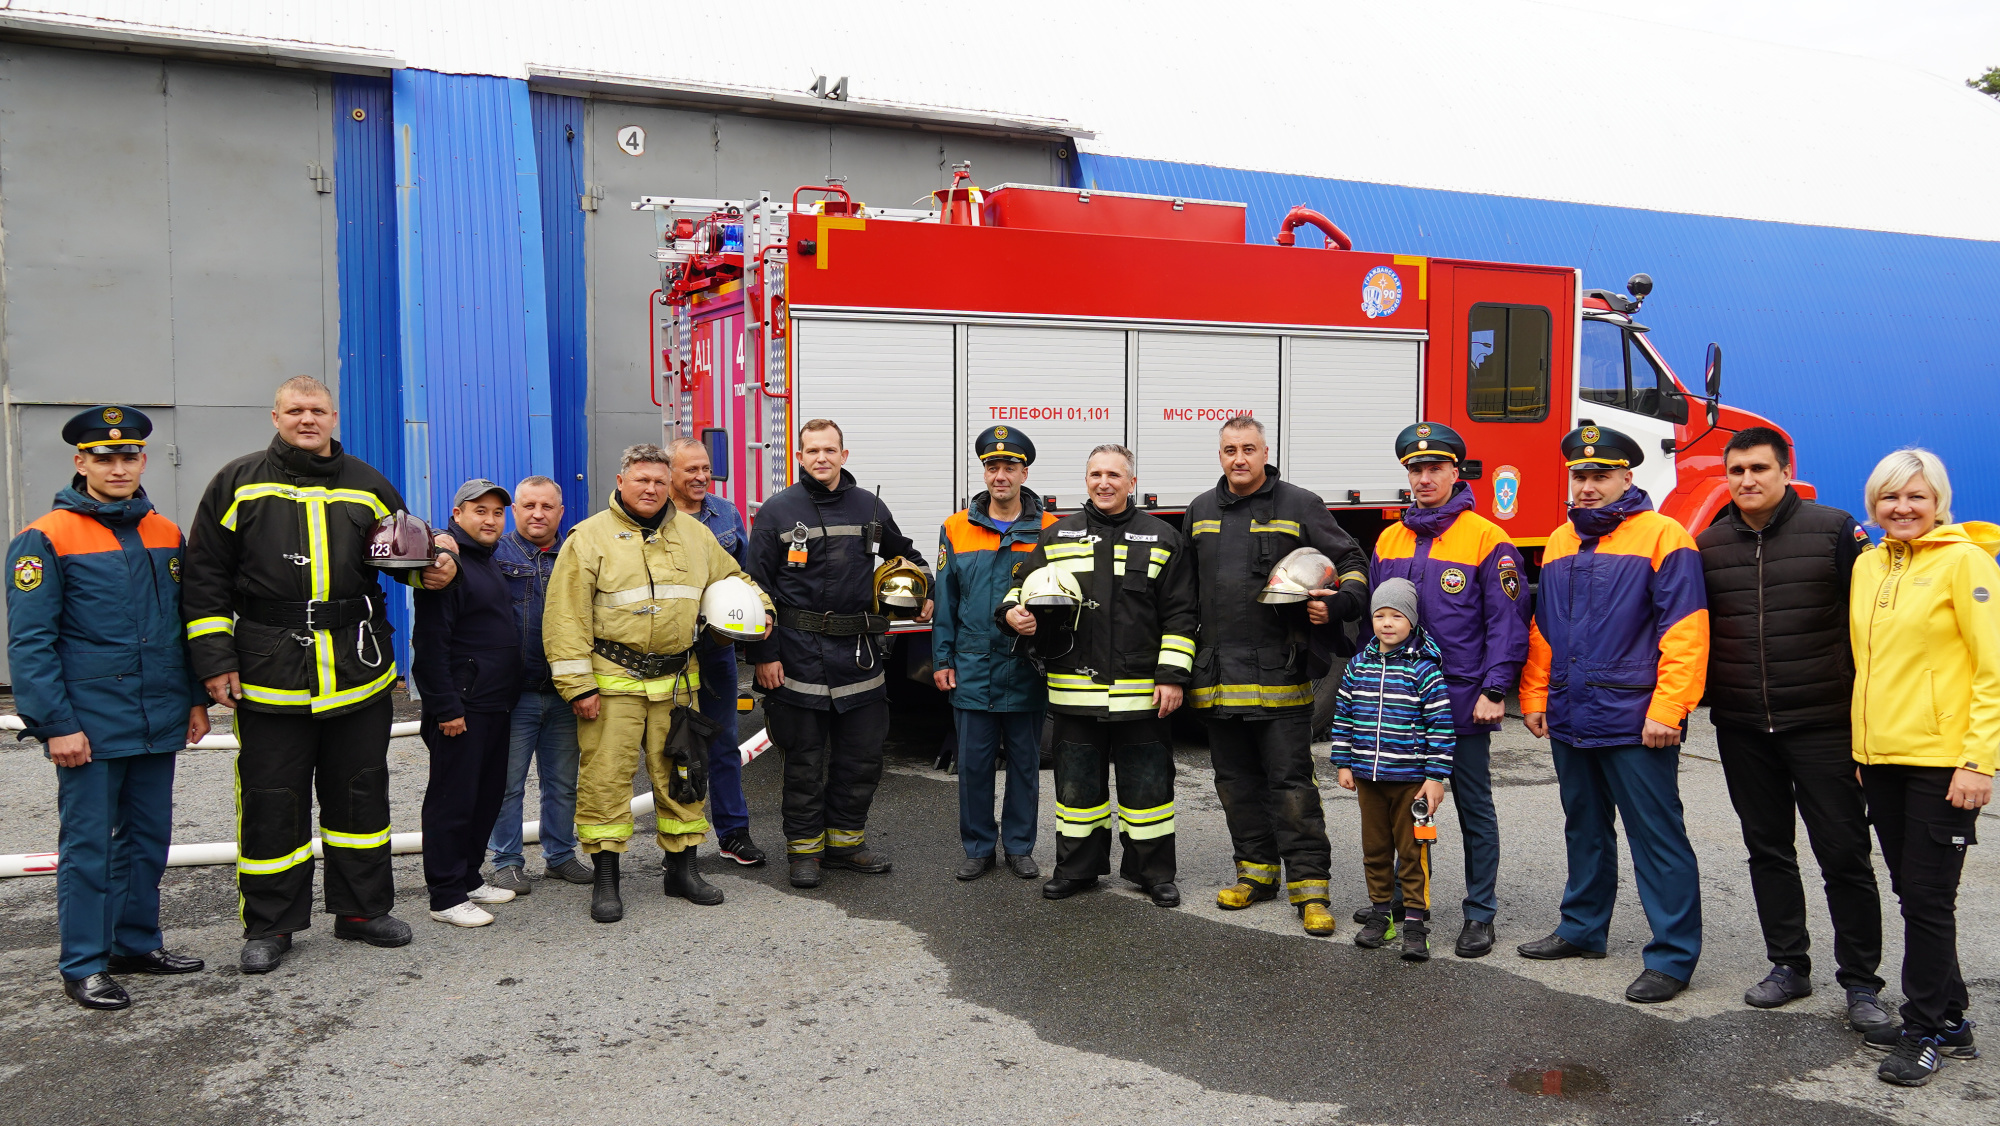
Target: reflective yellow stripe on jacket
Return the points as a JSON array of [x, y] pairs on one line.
[[1252, 696]]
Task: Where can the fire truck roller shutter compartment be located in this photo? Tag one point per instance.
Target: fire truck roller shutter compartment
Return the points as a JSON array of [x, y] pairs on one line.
[[1349, 398], [1190, 384], [1064, 388], [889, 384]]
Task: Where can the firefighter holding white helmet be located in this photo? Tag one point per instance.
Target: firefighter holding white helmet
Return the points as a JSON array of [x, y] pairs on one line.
[[814, 548], [1278, 577], [619, 627], [1114, 681], [287, 623]]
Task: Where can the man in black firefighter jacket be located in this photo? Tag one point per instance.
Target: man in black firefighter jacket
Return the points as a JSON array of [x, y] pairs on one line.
[[826, 701], [1114, 678], [287, 623], [1780, 683], [1254, 668]]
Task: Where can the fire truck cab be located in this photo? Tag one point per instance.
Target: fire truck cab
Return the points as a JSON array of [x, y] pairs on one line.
[[1085, 317]]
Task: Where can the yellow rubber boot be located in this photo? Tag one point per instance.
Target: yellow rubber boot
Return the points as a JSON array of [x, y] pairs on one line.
[[1254, 882], [1316, 918]]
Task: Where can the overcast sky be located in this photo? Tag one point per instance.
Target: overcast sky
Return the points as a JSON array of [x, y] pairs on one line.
[[1955, 39]]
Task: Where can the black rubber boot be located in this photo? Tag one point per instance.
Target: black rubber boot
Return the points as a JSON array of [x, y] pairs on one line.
[[605, 906], [683, 880]]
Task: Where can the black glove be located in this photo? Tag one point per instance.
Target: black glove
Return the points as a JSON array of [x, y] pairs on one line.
[[688, 737]]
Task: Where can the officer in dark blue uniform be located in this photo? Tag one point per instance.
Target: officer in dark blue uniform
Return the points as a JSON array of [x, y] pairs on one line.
[[101, 677]]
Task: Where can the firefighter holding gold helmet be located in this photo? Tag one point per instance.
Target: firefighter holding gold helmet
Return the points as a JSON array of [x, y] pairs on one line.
[[619, 627]]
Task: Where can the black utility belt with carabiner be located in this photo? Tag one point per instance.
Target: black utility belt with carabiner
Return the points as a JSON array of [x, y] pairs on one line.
[[832, 625], [645, 666], [319, 614]]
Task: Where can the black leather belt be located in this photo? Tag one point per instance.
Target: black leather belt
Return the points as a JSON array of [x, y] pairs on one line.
[[645, 666], [337, 613], [832, 625]]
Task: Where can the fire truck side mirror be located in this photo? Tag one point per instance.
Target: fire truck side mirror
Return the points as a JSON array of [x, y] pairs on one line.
[[1712, 381]]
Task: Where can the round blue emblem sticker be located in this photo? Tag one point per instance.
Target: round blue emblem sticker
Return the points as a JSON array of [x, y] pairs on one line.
[[1381, 292]]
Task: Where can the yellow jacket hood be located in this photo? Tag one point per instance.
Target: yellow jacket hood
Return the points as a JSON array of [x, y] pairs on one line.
[[1924, 621]]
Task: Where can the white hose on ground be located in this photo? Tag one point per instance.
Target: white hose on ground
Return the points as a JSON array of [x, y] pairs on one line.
[[224, 852], [217, 740]]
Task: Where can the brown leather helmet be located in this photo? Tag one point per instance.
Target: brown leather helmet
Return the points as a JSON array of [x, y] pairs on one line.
[[399, 541]]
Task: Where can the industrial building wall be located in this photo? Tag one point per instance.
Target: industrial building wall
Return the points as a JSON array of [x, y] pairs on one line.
[[731, 156], [1857, 342]]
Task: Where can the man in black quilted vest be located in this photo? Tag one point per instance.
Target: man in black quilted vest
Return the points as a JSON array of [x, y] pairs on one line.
[[1780, 677]]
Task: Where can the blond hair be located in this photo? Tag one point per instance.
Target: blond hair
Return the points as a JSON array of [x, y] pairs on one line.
[[1898, 467], [305, 387]]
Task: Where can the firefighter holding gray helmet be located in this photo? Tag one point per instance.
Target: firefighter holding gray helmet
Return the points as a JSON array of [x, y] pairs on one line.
[[821, 670], [288, 624], [619, 628], [1114, 676], [1262, 547]]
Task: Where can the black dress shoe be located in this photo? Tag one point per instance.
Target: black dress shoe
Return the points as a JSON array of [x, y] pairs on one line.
[[1164, 895], [382, 930], [262, 955], [161, 961], [1554, 947], [1060, 888], [973, 867], [1475, 940], [1652, 987], [1024, 866], [97, 991]]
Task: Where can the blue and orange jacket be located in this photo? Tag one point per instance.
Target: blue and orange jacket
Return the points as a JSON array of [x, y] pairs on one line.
[[975, 570], [1621, 625], [1471, 596], [94, 626], [1392, 722]]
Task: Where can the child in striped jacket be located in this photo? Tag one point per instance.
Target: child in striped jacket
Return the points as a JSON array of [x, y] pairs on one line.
[[1392, 741]]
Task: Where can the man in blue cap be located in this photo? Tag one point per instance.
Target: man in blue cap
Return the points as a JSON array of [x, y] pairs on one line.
[[101, 678], [998, 700]]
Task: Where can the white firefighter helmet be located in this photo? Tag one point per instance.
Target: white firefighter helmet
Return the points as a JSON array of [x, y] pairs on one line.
[[900, 588], [731, 608], [1296, 574], [1054, 597]]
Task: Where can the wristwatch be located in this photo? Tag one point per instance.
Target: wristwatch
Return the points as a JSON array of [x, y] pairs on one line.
[[1494, 694]]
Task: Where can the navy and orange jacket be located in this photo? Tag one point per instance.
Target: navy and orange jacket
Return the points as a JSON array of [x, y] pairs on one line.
[[1471, 596], [94, 626], [975, 570], [1621, 625]]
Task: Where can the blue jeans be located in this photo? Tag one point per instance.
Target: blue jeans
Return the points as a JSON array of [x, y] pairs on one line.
[[1472, 788], [116, 818], [981, 737], [727, 810], [1642, 785], [543, 729]]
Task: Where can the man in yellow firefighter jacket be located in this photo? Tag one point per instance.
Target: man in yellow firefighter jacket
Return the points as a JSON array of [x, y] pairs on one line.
[[619, 630]]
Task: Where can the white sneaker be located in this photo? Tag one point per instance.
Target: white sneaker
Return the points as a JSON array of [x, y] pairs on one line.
[[463, 915], [487, 893]]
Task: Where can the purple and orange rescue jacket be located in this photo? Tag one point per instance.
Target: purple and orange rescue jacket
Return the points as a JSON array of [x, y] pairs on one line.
[[1621, 625]]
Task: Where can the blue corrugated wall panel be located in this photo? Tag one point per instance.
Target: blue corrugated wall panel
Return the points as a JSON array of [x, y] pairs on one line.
[[474, 336], [1857, 342], [559, 155], [364, 180]]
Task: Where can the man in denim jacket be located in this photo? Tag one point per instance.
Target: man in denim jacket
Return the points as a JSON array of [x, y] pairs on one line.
[[687, 483], [544, 727]]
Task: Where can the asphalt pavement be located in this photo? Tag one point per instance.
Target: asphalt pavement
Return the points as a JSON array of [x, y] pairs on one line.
[[912, 997]]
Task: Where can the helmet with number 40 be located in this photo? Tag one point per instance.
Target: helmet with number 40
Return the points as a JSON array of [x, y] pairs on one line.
[[732, 609]]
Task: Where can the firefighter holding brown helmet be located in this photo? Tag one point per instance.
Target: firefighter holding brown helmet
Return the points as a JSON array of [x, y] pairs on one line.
[[1258, 657], [287, 623]]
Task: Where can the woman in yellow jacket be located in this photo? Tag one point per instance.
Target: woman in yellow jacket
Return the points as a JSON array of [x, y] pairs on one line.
[[1924, 621]]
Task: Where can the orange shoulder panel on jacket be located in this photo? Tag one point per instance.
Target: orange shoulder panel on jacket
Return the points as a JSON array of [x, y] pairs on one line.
[[73, 533], [1469, 540], [964, 535], [1646, 534], [1562, 543], [1397, 541], [158, 531]]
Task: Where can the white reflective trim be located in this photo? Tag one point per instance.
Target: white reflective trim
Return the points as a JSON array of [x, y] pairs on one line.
[[645, 594], [569, 668], [805, 689]]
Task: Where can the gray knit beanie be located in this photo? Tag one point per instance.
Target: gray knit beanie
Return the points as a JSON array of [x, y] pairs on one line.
[[1399, 595]]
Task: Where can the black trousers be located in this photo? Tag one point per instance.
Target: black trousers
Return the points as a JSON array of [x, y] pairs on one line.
[[1923, 841], [1142, 750], [833, 762], [1774, 781], [1264, 776], [283, 760], [468, 779]]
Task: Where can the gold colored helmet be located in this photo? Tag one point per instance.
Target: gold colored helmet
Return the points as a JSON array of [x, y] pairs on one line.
[[900, 589]]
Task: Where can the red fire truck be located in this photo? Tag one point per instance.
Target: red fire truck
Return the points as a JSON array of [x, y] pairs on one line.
[[1089, 316]]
